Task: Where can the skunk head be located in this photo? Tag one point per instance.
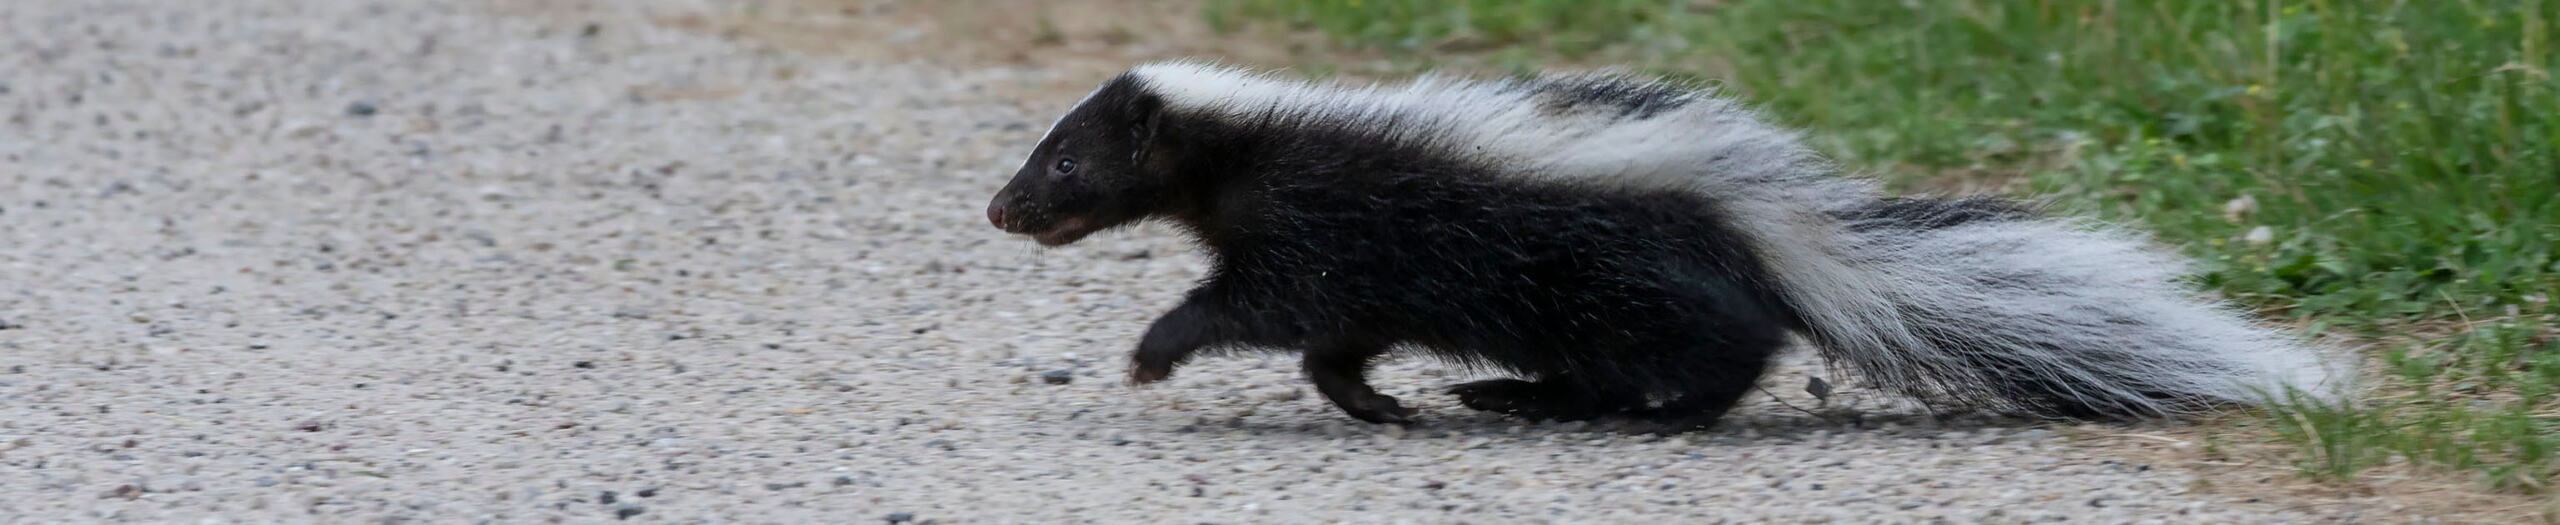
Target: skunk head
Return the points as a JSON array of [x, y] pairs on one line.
[[1101, 166]]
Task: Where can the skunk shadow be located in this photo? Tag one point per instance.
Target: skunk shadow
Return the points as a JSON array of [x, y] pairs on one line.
[[1758, 425]]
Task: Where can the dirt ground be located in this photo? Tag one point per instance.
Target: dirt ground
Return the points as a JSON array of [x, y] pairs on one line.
[[713, 261]]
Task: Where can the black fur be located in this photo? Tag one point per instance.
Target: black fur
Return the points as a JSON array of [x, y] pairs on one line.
[[1344, 247]]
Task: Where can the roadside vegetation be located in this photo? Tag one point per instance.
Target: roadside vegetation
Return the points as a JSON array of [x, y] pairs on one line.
[[2386, 172]]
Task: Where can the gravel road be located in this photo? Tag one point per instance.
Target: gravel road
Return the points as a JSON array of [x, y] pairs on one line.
[[343, 261]]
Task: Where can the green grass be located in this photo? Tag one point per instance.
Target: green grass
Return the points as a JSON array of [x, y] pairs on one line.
[[2403, 156]]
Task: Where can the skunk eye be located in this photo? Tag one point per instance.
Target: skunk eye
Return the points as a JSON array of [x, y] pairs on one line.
[[1066, 166]]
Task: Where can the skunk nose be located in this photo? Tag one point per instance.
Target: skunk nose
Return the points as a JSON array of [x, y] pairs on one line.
[[995, 215]]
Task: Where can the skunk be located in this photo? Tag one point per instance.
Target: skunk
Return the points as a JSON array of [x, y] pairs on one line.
[[1625, 246]]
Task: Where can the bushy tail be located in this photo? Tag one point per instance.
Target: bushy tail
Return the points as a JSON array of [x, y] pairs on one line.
[[1981, 303]]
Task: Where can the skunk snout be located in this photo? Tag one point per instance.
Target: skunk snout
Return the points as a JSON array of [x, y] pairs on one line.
[[995, 215]]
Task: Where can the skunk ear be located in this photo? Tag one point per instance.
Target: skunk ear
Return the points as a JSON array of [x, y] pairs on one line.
[[1145, 113]]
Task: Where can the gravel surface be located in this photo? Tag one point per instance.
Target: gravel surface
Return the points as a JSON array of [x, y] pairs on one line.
[[340, 261]]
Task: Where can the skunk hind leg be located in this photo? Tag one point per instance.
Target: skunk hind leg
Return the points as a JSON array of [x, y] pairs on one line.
[[1711, 391], [1340, 372]]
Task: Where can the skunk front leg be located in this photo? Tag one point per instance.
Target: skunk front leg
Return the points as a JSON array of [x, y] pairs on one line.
[[1205, 319], [1172, 340]]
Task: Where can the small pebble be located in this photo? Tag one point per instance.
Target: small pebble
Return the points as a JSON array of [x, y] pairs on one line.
[[1058, 377], [626, 511], [650, 492], [361, 109], [901, 517], [606, 498]]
